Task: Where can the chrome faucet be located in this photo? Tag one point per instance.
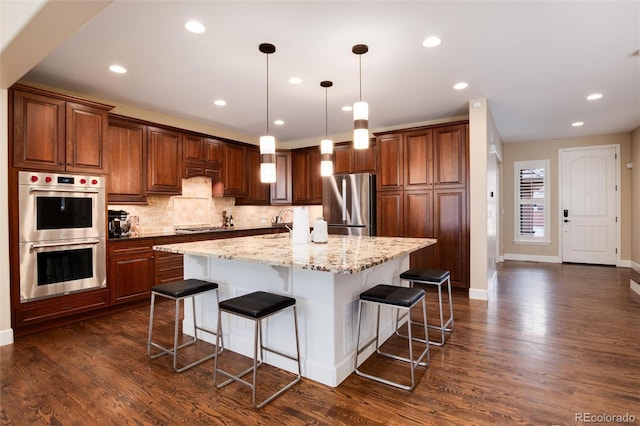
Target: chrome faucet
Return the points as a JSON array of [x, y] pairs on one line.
[[282, 212]]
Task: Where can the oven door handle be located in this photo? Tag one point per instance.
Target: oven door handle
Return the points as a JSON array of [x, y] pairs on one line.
[[66, 243], [83, 191]]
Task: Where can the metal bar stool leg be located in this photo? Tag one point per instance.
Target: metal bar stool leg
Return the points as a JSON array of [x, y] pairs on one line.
[[257, 306], [180, 291], [400, 298]]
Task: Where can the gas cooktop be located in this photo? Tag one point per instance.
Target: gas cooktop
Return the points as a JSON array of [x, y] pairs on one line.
[[197, 229]]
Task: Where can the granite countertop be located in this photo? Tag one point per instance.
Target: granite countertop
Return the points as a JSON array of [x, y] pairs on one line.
[[174, 232], [341, 254]]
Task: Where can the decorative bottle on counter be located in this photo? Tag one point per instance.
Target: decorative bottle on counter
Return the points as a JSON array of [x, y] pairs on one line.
[[231, 221]]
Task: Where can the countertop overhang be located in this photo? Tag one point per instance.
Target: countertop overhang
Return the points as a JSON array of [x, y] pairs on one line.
[[341, 254]]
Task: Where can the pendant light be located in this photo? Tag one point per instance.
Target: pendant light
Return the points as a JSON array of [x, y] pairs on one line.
[[360, 108], [326, 145], [267, 142]]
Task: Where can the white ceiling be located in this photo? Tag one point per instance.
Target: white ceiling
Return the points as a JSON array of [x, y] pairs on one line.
[[535, 62]]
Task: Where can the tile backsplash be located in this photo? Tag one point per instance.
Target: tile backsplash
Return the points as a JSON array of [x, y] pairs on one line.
[[197, 207]]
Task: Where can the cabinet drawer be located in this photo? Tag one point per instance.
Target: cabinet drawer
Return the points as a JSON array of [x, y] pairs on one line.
[[130, 246], [62, 306]]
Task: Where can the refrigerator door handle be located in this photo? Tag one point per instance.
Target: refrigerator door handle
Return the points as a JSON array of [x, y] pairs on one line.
[[344, 199]]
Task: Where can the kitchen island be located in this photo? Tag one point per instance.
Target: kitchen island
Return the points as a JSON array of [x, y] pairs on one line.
[[325, 279]]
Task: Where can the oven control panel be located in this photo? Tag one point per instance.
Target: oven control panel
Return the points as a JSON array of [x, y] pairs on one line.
[[45, 179]]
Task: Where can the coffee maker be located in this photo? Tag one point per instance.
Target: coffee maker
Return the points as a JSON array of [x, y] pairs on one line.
[[118, 223]]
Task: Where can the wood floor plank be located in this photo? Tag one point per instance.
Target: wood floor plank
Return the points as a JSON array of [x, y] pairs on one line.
[[553, 340]]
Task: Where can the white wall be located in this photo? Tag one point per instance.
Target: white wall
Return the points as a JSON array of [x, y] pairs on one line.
[[484, 209], [635, 199]]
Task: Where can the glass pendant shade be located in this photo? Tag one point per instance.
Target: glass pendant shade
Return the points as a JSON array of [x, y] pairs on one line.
[[361, 125], [326, 157], [267, 159]]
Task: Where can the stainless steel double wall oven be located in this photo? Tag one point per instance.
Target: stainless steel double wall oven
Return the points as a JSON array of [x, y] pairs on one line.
[[61, 234]]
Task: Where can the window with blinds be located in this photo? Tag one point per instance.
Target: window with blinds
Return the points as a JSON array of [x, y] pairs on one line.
[[531, 213]]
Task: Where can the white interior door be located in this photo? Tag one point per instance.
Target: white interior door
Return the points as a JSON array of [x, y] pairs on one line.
[[589, 205]]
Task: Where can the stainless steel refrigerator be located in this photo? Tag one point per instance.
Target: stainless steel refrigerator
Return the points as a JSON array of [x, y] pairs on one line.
[[349, 204]]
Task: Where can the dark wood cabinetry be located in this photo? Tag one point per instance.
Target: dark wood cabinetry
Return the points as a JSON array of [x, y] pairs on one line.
[[126, 162], [257, 192], [56, 132], [164, 150], [422, 192], [346, 159], [131, 269], [201, 156], [390, 214], [281, 190], [342, 159], [307, 188], [169, 266], [234, 177], [390, 162]]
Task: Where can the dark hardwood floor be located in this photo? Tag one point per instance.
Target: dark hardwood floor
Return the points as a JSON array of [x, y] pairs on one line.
[[554, 343]]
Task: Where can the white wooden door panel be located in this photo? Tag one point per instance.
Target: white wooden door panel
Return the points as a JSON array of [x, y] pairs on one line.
[[589, 205]]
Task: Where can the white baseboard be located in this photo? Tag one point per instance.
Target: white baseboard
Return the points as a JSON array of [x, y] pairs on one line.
[[634, 265], [6, 337], [634, 286], [623, 263], [478, 294], [532, 258]]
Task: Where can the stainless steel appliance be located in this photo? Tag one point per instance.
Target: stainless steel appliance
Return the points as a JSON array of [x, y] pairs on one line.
[[61, 234], [348, 204]]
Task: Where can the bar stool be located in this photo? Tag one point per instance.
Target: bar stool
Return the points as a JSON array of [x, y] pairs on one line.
[[401, 298], [257, 306], [180, 290], [435, 277]]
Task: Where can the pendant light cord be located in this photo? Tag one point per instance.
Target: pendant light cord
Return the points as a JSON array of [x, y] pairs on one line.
[[360, 71], [326, 114], [267, 93]]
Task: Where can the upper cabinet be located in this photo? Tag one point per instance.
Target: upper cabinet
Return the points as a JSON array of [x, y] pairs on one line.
[[234, 178], [346, 159], [257, 192], [281, 190], [58, 133], [126, 162], [450, 153], [390, 162], [201, 156], [307, 188], [418, 159], [164, 173]]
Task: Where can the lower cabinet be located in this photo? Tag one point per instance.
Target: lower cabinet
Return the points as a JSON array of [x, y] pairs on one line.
[[131, 269]]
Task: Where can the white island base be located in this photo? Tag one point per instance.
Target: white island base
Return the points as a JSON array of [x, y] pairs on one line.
[[327, 306]]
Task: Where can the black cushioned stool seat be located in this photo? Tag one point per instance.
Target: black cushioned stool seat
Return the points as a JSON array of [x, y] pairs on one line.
[[402, 299], [257, 306], [180, 290], [437, 277]]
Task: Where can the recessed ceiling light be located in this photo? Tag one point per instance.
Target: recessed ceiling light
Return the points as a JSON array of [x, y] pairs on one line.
[[195, 27], [278, 122], [347, 108], [295, 80], [577, 123], [118, 69], [594, 96], [220, 102], [461, 85], [432, 41]]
